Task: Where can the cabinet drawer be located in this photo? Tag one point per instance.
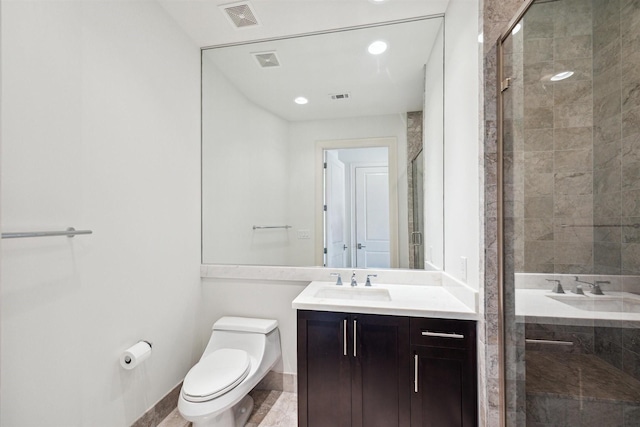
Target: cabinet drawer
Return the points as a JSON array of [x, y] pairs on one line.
[[443, 332]]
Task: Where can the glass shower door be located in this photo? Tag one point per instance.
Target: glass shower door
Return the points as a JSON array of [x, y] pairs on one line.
[[571, 193]]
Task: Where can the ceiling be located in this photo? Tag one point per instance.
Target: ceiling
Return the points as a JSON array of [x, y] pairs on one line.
[[318, 66]]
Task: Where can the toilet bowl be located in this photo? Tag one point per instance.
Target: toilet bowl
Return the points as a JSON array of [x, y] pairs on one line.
[[240, 352]]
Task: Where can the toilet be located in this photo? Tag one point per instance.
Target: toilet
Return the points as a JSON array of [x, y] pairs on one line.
[[240, 352]]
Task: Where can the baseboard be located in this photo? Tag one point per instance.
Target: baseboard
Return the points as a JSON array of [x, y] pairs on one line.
[[160, 410], [279, 381]]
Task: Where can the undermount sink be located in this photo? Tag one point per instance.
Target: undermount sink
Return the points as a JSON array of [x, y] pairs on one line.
[[613, 304], [354, 293]]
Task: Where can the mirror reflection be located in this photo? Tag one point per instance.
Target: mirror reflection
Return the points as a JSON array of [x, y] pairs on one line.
[[325, 149]]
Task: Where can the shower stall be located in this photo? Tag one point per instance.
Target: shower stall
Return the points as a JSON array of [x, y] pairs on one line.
[[570, 168]]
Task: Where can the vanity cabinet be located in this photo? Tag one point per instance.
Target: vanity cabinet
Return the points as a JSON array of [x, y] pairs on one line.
[[364, 370], [353, 370], [445, 373]]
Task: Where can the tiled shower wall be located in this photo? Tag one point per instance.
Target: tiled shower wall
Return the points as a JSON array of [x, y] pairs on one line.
[[414, 147]]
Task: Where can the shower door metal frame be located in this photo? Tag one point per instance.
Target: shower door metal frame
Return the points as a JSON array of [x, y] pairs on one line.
[[501, 88]]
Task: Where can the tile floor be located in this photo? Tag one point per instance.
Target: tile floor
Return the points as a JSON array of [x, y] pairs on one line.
[[271, 409]]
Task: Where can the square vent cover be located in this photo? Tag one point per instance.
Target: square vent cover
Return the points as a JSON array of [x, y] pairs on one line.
[[241, 15], [267, 59], [340, 96]]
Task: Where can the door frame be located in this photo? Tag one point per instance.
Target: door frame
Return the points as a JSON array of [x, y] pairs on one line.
[[391, 143]]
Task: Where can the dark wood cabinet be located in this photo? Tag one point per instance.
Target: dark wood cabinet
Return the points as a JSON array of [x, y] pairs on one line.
[[352, 370], [445, 373], [359, 370]]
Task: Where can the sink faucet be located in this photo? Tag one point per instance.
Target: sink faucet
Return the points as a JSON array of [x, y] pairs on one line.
[[339, 281], [353, 279], [595, 287], [557, 288], [369, 279]]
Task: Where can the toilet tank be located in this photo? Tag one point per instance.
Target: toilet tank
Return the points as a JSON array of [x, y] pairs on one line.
[[255, 336]]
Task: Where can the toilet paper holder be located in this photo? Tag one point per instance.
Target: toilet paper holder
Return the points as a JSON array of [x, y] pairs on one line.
[[136, 354]]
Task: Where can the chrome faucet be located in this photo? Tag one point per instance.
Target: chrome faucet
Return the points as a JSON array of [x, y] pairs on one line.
[[339, 281], [595, 287], [369, 280], [557, 288], [353, 279]]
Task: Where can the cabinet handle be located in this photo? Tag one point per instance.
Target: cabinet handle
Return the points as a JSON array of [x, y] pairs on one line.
[[355, 334], [415, 373], [441, 335], [344, 338]]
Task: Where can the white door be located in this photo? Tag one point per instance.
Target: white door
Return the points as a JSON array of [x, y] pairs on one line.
[[372, 217], [335, 229]]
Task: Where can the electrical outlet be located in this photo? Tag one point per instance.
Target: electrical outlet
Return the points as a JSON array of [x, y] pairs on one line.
[[463, 268], [304, 234]]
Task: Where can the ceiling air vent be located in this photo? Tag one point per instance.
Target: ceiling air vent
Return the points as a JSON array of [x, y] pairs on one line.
[[267, 59], [240, 14], [340, 96]]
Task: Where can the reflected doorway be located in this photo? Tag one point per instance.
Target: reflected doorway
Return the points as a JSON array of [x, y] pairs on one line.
[[356, 208]]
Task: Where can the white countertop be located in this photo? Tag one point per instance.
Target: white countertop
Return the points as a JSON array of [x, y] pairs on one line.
[[405, 300], [543, 306]]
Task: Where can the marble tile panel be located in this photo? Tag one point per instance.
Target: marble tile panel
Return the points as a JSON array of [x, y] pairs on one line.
[[604, 11], [631, 258], [572, 47], [573, 268], [601, 414], [579, 138], [513, 164], [607, 180], [606, 57], [629, 15], [539, 252], [607, 130], [538, 184], [538, 229], [630, 94], [631, 148], [631, 203], [607, 82], [537, 73], [579, 114], [606, 34], [631, 363], [630, 38], [512, 136], [538, 117], [538, 50], [607, 205], [573, 160], [538, 140], [606, 254], [631, 416], [573, 183], [630, 176], [572, 92], [573, 206], [607, 156], [538, 94], [630, 122], [538, 162], [630, 339], [607, 234], [573, 253], [607, 106], [630, 234]]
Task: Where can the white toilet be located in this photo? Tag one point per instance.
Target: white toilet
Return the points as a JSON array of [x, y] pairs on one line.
[[239, 354]]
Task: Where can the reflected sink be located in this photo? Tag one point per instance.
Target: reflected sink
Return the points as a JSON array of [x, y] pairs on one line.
[[354, 293], [613, 304]]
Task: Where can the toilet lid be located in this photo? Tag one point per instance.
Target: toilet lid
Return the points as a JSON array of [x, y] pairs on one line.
[[216, 374]]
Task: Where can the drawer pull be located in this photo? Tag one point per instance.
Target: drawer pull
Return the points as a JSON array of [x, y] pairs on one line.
[[415, 373], [355, 334], [344, 338], [534, 341], [441, 335]]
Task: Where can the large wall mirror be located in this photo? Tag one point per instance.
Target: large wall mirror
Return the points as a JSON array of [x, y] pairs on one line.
[[318, 152]]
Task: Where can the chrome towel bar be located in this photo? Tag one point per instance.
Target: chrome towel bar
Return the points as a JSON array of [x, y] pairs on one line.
[[262, 227], [69, 232]]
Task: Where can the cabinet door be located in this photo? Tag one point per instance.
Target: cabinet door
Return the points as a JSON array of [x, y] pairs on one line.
[[382, 371], [324, 371]]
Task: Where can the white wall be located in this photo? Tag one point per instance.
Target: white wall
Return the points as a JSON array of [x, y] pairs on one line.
[[462, 170], [100, 130], [245, 177]]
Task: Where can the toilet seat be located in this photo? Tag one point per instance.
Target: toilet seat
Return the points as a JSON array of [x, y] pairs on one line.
[[216, 374]]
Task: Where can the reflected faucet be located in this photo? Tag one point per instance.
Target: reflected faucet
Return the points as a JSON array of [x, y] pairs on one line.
[[353, 279], [595, 287]]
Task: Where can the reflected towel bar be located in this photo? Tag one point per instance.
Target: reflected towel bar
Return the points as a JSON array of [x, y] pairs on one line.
[[636, 225], [262, 227], [69, 232]]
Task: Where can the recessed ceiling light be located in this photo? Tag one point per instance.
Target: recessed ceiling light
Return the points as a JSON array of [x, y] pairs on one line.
[[517, 28], [377, 47], [301, 100], [561, 76], [377, 1], [480, 37]]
